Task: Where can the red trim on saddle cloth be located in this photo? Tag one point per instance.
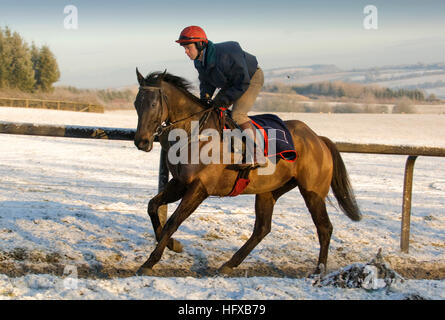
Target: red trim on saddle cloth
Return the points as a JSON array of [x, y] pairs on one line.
[[240, 185], [266, 139], [283, 157]]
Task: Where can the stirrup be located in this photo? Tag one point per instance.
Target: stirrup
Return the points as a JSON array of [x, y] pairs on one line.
[[251, 166]]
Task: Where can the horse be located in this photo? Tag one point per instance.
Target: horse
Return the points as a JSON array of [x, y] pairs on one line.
[[164, 102]]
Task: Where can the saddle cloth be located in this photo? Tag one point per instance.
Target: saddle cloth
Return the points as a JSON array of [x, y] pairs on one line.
[[278, 143], [277, 138]]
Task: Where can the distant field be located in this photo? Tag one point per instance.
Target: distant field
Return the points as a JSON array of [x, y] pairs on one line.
[[282, 102], [439, 91], [411, 81], [397, 76]]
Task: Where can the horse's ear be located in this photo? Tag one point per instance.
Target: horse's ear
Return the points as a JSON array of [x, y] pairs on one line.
[[161, 77], [140, 77]]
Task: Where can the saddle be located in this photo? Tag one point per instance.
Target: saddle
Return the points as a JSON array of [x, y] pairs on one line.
[[276, 138], [274, 133]]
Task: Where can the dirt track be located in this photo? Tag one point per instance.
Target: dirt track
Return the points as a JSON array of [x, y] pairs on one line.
[[20, 262]]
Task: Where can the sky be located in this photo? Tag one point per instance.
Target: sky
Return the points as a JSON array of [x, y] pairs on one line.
[[115, 37]]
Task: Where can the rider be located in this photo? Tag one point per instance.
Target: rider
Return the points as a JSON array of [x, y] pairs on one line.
[[226, 66]]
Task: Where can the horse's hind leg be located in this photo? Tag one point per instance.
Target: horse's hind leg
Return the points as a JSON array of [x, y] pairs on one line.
[[264, 204], [173, 191], [317, 208], [285, 188]]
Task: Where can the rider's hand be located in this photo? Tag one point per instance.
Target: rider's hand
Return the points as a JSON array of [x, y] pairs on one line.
[[206, 102], [221, 102]]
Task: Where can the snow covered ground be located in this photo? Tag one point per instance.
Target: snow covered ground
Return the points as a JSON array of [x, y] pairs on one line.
[[80, 205]]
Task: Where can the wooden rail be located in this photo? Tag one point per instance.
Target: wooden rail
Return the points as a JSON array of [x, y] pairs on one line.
[[51, 104], [412, 152], [390, 149], [66, 131], [128, 134]]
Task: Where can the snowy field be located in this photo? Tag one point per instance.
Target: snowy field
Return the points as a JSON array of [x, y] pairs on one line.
[[80, 204]]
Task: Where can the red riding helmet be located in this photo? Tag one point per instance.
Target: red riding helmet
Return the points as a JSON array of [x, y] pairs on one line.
[[192, 34]]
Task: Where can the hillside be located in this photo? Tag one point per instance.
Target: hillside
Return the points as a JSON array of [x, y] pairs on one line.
[[429, 77]]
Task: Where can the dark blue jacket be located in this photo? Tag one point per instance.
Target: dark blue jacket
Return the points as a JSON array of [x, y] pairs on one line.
[[227, 67]]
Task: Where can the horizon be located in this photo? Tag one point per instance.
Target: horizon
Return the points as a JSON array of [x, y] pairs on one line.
[[112, 38]]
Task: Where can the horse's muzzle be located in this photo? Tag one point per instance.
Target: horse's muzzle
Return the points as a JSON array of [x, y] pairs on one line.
[[144, 144]]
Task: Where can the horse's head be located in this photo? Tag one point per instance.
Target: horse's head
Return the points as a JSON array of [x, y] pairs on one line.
[[151, 110]]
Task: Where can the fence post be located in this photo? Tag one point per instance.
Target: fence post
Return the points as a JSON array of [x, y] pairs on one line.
[[406, 206], [162, 181]]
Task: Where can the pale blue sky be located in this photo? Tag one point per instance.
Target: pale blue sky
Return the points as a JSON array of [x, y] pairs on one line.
[[116, 36]]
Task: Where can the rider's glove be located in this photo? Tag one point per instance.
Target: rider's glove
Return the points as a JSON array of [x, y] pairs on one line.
[[206, 102], [221, 102]]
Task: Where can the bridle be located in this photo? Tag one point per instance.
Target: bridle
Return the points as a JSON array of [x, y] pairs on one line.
[[162, 97], [165, 125]]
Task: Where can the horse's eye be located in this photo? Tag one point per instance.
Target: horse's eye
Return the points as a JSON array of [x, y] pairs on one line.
[[153, 104]]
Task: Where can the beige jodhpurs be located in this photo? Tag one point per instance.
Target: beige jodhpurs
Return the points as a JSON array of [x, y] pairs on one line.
[[247, 100]]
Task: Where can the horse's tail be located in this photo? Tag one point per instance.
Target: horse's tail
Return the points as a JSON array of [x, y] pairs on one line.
[[340, 184]]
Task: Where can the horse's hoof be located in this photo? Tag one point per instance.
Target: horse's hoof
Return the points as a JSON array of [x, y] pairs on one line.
[[319, 272], [321, 269], [144, 271], [225, 270], [175, 245]]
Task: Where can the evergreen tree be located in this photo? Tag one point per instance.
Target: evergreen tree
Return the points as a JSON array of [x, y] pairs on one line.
[[2, 62], [20, 73], [46, 69], [5, 57], [23, 67], [35, 59]]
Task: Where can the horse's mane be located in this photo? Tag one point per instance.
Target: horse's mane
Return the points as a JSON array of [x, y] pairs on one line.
[[179, 82]]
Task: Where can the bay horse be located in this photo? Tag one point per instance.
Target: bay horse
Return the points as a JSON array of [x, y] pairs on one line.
[[164, 102]]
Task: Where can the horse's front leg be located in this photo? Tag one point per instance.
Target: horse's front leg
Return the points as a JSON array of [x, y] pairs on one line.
[[173, 191], [194, 195]]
